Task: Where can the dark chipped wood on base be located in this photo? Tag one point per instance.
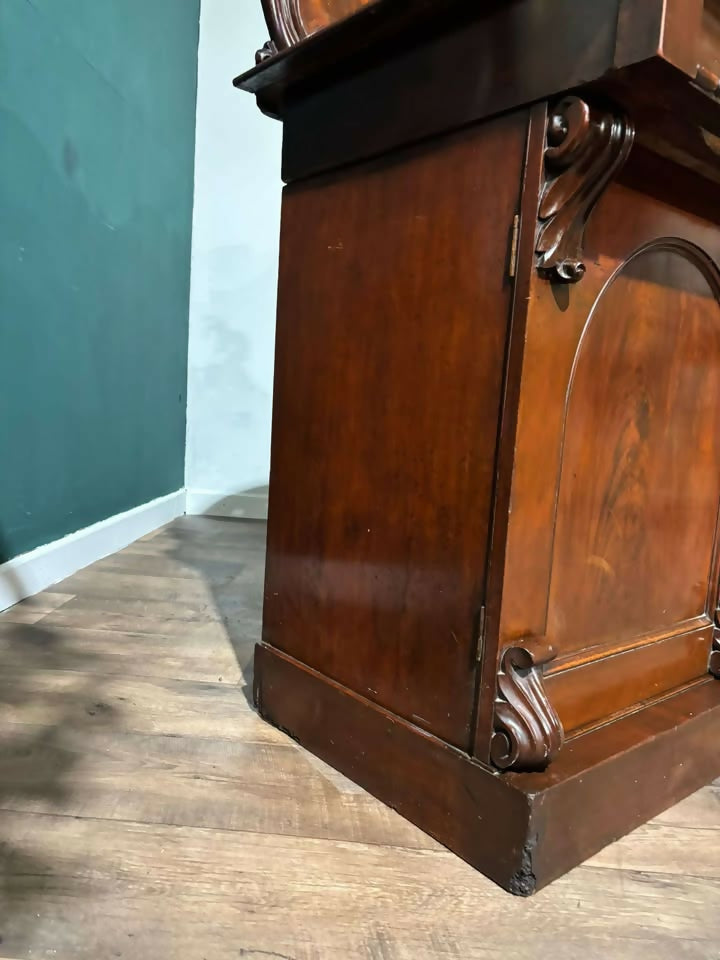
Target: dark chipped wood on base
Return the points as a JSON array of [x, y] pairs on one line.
[[521, 830]]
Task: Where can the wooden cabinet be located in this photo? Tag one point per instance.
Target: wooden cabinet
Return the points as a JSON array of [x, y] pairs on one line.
[[492, 575]]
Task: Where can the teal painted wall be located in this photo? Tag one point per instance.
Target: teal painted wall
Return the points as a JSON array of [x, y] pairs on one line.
[[97, 120]]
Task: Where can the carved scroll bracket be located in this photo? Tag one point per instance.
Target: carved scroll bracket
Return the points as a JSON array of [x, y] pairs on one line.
[[528, 732], [585, 149]]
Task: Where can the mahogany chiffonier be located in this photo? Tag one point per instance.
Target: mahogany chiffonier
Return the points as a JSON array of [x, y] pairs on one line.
[[493, 565]]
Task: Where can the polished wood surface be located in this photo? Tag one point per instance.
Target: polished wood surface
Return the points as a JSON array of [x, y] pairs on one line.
[[615, 490], [378, 109], [379, 506], [639, 474], [318, 14], [496, 469], [292, 21], [463, 63], [147, 811]]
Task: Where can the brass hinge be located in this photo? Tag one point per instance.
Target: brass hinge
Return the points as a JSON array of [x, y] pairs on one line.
[[512, 268], [480, 635]]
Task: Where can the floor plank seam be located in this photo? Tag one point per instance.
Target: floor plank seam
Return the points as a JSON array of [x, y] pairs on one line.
[[230, 830], [215, 684]]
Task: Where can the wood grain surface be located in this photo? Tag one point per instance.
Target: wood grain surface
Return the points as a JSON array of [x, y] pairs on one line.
[[318, 14], [612, 551], [146, 811], [392, 313]]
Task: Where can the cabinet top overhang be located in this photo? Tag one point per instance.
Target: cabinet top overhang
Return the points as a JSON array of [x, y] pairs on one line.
[[452, 62], [322, 40]]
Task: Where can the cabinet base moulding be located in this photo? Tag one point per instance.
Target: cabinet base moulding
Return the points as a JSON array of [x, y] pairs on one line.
[[521, 830]]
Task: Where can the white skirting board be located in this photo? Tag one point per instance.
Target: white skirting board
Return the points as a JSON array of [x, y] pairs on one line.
[[32, 572], [251, 505]]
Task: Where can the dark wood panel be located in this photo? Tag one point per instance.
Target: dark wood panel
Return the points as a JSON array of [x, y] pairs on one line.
[[448, 78], [392, 320]]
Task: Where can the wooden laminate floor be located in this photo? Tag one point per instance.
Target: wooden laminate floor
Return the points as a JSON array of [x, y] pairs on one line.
[[146, 812]]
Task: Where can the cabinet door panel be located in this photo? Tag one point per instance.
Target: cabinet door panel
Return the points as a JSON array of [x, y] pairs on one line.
[[612, 537], [640, 467]]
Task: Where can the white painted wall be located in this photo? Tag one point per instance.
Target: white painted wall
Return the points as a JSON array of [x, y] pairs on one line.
[[236, 226]]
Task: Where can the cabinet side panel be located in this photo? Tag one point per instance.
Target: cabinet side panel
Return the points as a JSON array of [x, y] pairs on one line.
[[392, 320]]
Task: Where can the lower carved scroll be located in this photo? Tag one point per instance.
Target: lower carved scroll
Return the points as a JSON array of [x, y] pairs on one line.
[[528, 732], [714, 665]]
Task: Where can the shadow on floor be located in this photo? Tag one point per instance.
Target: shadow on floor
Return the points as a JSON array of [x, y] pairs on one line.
[[53, 703], [50, 700], [229, 555]]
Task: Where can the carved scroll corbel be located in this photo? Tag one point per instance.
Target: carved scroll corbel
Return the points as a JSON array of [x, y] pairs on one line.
[[585, 149], [528, 732]]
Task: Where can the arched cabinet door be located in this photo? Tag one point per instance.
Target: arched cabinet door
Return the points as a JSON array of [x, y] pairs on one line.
[[612, 555]]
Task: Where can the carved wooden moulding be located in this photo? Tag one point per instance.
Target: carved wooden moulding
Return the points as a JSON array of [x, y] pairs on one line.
[[585, 148], [291, 21], [528, 732]]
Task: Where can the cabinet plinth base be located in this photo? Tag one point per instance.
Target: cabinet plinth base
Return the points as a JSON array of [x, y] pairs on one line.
[[520, 830]]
